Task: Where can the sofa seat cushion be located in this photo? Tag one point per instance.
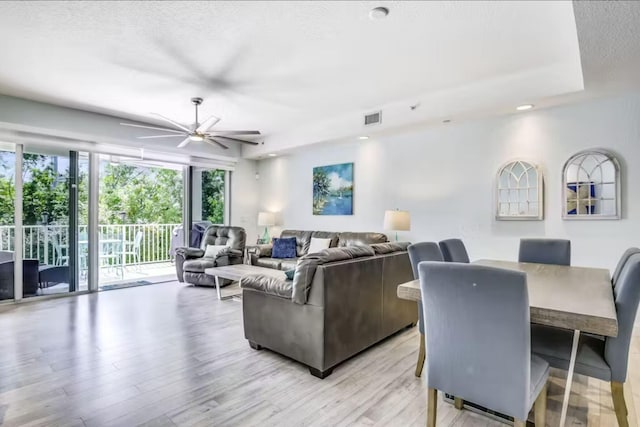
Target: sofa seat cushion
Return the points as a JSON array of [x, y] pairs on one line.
[[288, 264], [198, 265], [267, 284], [269, 263]]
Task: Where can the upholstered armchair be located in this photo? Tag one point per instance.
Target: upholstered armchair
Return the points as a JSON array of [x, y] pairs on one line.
[[191, 262]]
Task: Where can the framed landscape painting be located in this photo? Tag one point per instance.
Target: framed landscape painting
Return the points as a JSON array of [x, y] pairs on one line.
[[333, 189]]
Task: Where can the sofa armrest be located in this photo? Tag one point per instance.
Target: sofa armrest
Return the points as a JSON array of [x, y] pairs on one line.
[[190, 253], [229, 252], [260, 250], [270, 285]]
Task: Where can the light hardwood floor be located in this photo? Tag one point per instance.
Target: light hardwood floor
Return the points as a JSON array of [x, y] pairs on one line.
[[169, 354]]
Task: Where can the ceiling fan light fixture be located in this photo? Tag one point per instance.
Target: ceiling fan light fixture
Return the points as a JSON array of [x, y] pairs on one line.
[[198, 132]]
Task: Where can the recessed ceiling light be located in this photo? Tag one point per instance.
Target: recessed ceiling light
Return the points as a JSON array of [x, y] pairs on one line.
[[378, 13], [272, 154], [446, 121], [363, 137], [524, 107]]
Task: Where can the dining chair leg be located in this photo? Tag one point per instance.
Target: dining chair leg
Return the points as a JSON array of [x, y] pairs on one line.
[[458, 403], [421, 356], [540, 408], [432, 403], [619, 405], [519, 423]]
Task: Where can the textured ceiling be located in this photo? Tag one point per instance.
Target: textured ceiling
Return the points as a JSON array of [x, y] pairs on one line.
[[274, 65], [609, 37], [303, 72]]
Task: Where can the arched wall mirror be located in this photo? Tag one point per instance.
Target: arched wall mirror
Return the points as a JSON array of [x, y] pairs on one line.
[[591, 186], [519, 192]]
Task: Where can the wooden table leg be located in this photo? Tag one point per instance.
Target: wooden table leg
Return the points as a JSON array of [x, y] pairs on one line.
[[567, 387]]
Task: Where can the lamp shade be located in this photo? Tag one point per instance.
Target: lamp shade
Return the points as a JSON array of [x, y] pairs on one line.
[[266, 218], [397, 220]]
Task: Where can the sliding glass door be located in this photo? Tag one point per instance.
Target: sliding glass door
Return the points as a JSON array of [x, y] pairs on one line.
[[209, 190], [54, 222], [73, 222], [7, 220], [140, 211]]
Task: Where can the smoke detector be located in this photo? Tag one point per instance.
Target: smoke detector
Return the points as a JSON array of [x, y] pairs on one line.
[[378, 13]]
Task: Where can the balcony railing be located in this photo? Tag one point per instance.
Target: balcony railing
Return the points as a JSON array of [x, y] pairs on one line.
[[50, 243]]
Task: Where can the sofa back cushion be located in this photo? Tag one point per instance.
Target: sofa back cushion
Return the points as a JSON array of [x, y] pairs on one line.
[[388, 248], [303, 239], [233, 237], [359, 239], [308, 264]]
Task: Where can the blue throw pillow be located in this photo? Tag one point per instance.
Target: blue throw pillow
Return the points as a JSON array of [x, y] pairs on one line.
[[284, 248], [290, 273]]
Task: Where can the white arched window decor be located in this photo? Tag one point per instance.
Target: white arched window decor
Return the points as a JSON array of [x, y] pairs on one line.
[[519, 192], [591, 186]]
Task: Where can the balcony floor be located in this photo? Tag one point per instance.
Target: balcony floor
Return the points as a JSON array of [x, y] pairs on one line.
[[112, 278]]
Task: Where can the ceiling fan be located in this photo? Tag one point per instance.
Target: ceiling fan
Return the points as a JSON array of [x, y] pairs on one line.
[[200, 131]]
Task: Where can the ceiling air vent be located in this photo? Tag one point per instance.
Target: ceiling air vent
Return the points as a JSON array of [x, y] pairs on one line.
[[373, 118]]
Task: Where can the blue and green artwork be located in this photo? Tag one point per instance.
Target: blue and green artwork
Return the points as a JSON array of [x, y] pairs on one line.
[[333, 189]]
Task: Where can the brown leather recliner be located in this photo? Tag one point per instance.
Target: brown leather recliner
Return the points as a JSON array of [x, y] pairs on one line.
[[191, 262]]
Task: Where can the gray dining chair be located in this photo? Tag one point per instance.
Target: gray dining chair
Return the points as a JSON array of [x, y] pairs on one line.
[[545, 251], [606, 359], [453, 250], [418, 252], [478, 340], [623, 260]]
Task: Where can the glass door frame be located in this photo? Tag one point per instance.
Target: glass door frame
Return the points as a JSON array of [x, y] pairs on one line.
[[18, 244]]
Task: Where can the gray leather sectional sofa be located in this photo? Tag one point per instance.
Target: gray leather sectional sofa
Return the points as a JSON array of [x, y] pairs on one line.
[[260, 255], [191, 263], [341, 301]]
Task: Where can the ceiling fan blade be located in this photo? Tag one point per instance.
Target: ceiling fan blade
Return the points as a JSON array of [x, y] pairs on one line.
[[176, 124], [235, 132], [235, 139], [207, 124], [210, 140], [150, 127], [179, 135], [184, 143]]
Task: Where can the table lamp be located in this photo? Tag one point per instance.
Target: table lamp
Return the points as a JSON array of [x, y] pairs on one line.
[[266, 219], [397, 221]]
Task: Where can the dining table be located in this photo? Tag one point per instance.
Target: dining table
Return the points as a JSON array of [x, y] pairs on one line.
[[109, 247], [579, 299]]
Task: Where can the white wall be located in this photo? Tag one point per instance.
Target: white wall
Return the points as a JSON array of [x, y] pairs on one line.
[[245, 198], [445, 177]]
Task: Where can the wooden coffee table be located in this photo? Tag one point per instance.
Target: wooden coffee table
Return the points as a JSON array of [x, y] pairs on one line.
[[238, 271]]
